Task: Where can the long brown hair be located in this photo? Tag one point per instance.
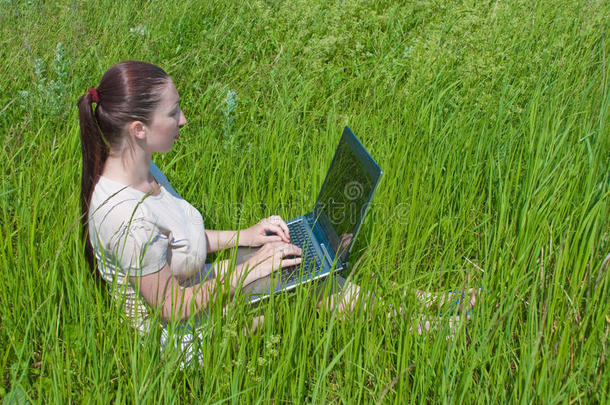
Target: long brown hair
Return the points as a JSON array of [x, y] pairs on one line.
[[129, 91]]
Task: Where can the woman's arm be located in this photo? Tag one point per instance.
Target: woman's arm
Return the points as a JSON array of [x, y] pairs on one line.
[[272, 229], [218, 240], [162, 291]]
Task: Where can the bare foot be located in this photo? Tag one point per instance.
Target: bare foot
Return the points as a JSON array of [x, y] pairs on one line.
[[453, 300], [427, 324]]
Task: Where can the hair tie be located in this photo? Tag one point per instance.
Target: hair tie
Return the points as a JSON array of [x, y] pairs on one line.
[[94, 96]]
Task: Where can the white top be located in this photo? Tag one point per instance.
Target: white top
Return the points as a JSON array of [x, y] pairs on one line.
[[135, 234]]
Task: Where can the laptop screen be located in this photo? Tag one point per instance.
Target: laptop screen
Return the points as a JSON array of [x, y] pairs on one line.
[[346, 193]]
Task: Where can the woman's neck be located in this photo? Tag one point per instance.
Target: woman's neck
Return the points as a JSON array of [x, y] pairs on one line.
[[131, 167]]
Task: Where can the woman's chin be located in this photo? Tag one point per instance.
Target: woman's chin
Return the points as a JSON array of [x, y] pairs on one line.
[[166, 150]]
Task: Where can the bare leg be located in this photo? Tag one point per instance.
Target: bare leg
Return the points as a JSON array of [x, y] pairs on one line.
[[351, 297]]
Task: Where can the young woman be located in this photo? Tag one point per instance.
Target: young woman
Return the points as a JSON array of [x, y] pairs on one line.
[[145, 241], [141, 235]]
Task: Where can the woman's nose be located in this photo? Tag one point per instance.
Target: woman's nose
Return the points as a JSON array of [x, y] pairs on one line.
[[182, 121]]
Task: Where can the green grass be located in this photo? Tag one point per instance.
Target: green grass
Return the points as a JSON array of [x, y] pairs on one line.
[[490, 120]]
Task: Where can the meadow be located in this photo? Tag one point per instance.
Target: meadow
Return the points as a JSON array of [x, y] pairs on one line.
[[490, 120]]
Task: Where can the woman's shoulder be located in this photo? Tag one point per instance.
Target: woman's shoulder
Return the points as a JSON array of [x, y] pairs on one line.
[[113, 201]]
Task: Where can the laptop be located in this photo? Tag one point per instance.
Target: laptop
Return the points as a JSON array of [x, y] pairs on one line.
[[326, 234]]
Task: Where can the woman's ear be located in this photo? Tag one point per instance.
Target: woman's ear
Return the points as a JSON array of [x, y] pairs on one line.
[[137, 129]]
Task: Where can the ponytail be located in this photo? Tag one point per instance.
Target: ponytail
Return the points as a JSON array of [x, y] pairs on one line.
[[94, 151]]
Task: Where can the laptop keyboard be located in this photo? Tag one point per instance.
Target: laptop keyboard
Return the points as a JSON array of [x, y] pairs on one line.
[[310, 262]]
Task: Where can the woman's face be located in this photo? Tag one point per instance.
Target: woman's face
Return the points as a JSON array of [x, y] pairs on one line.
[[166, 121]]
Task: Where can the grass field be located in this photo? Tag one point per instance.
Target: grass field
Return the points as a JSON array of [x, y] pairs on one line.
[[490, 120]]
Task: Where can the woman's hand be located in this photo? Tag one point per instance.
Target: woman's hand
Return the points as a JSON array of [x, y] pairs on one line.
[[267, 230], [272, 256]]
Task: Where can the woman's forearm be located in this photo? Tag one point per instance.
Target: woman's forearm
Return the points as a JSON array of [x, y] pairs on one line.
[[162, 291], [239, 276], [218, 240], [180, 303]]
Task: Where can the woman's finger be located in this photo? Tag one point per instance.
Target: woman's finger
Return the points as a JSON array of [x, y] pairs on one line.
[[277, 220], [291, 250], [277, 230], [284, 228], [273, 238], [291, 262]]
